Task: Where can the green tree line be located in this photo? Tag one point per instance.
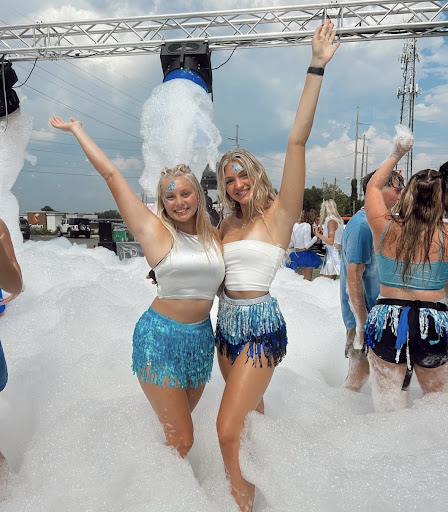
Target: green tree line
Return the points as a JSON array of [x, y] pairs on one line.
[[313, 197]]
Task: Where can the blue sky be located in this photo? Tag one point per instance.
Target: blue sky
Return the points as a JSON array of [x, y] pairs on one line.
[[257, 89]]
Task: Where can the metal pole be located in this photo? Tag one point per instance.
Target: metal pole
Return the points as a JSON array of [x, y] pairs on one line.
[[356, 143], [362, 165]]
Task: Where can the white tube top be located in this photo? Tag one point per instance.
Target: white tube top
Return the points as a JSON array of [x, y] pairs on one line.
[[251, 265]]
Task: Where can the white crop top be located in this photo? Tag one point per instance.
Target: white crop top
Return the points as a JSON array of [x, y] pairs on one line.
[[188, 272], [251, 265]]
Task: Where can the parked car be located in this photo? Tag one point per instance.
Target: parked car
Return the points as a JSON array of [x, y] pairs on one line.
[[75, 226], [25, 228]]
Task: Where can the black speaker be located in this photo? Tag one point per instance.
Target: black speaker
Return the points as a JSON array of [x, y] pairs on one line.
[[112, 246], [12, 101], [8, 78], [105, 231], [9, 74]]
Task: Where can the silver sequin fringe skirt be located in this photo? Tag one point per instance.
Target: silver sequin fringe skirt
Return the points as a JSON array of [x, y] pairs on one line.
[[256, 323]]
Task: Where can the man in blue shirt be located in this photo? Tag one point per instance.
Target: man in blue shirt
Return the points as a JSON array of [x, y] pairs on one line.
[[359, 281]]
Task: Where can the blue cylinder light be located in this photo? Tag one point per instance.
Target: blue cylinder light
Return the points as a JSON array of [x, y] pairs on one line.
[[187, 74]]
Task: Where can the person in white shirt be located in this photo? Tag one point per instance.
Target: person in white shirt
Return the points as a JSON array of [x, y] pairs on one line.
[[302, 259]]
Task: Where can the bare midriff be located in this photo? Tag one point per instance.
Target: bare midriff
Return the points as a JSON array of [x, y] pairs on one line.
[[186, 311], [238, 294], [407, 294]]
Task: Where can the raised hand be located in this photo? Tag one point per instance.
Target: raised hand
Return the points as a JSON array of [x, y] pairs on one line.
[[322, 44], [403, 140], [60, 124]]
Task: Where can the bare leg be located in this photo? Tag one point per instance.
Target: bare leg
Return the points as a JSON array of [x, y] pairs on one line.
[[387, 381], [4, 474], [194, 395], [225, 365], [358, 373], [244, 389], [307, 273], [358, 370], [173, 407], [432, 380]]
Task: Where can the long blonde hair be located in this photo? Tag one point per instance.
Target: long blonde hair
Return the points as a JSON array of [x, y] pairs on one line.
[[208, 235], [262, 191], [415, 219], [329, 209]]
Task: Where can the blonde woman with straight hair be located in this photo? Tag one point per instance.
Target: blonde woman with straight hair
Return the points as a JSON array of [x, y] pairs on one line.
[[173, 343], [251, 332], [331, 228]]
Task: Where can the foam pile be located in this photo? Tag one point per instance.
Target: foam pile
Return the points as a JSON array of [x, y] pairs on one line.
[[80, 435]]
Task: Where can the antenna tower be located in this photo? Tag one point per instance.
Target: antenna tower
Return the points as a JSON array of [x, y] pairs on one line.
[[408, 93]]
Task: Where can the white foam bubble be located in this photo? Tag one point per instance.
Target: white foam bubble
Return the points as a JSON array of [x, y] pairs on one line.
[[80, 435], [14, 137], [177, 128]]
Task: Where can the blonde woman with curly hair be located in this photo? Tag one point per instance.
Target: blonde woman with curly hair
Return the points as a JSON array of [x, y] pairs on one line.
[[251, 332], [407, 329], [331, 229], [173, 344]]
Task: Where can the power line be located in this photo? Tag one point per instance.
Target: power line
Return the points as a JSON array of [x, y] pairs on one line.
[[106, 106], [72, 174], [48, 98], [105, 83], [74, 144], [62, 134], [78, 154]]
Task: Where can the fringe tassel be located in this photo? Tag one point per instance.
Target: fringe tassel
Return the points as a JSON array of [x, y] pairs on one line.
[[172, 354], [259, 325], [383, 315]]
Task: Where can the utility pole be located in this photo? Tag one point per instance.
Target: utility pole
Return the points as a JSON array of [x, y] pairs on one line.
[[408, 93], [355, 195], [362, 165], [236, 138], [356, 143]]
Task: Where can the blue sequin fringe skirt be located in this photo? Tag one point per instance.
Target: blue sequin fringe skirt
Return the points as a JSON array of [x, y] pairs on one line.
[[257, 323], [396, 317], [303, 259], [172, 354], [3, 369]]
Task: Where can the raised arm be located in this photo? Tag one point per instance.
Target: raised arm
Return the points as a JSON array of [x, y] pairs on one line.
[[139, 219], [332, 228], [10, 273], [376, 210], [290, 196]]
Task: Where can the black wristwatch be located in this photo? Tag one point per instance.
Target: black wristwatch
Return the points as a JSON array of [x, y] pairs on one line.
[[316, 71]]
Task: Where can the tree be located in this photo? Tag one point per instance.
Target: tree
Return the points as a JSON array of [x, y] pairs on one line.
[[47, 209], [312, 198], [342, 200], [109, 214]]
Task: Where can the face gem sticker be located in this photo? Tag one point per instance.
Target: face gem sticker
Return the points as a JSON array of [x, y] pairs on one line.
[[171, 187], [237, 168]]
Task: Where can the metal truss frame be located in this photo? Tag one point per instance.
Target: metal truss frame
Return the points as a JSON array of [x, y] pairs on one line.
[[224, 30]]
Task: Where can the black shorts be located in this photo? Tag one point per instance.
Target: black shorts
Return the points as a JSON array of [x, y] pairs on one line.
[[412, 332]]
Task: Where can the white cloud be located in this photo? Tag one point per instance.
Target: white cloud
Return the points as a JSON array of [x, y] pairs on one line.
[[128, 163]]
